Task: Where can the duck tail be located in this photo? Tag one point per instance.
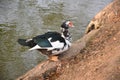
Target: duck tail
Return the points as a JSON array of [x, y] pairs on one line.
[[26, 42]]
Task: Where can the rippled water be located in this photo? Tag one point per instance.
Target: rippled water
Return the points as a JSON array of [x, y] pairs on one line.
[[28, 18]]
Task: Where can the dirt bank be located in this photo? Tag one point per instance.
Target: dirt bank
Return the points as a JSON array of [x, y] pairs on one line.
[[100, 60]]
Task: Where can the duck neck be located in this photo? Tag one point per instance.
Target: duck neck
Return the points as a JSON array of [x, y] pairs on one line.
[[66, 34]]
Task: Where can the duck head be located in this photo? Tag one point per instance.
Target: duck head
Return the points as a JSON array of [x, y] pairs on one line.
[[67, 24], [64, 29]]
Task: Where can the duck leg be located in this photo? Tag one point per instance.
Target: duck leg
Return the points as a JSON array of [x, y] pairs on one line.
[[53, 58]]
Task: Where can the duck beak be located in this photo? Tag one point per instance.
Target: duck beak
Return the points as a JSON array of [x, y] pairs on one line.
[[71, 24]]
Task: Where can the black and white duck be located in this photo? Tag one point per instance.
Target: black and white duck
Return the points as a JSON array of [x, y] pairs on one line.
[[51, 43]]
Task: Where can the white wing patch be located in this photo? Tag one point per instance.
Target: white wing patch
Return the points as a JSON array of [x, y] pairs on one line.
[[35, 47], [56, 44]]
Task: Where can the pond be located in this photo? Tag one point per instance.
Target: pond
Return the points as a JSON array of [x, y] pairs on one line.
[[28, 18]]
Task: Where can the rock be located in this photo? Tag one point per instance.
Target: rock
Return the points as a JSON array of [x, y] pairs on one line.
[[110, 14]]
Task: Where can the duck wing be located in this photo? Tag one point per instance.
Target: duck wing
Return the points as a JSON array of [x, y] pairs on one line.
[[49, 40], [42, 41]]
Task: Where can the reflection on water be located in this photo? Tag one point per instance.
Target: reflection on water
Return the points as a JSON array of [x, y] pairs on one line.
[[28, 18]]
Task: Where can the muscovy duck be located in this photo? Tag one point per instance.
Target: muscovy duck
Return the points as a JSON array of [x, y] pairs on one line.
[[51, 43]]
